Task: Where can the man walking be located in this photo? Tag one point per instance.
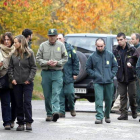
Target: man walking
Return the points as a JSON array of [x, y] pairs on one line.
[[102, 66], [70, 72], [126, 57], [135, 40], [52, 56]]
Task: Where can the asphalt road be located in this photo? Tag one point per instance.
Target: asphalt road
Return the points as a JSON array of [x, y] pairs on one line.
[[81, 127]]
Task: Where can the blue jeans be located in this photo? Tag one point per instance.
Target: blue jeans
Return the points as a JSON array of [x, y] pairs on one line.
[[5, 106]]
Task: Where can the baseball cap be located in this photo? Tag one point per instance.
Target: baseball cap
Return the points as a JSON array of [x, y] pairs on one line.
[[52, 32]]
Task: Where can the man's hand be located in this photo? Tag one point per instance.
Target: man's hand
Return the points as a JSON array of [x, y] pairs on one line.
[[14, 82], [129, 65], [74, 77], [1, 64], [26, 82], [53, 63]]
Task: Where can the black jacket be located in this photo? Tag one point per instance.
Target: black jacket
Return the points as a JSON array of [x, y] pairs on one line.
[[131, 55], [22, 70]]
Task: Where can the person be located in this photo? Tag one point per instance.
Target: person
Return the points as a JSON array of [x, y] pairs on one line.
[[135, 40], [27, 33], [6, 50], [22, 69], [52, 56], [126, 56], [102, 67], [70, 72]]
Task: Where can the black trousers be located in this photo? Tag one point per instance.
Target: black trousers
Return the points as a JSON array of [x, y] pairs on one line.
[[127, 90], [5, 106], [23, 97], [13, 106]]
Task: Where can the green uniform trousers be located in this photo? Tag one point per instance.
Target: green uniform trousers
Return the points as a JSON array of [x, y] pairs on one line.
[[103, 92], [67, 92], [138, 94], [52, 84]]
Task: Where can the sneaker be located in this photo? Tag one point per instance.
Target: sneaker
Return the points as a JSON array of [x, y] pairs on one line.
[[48, 119], [98, 122], [7, 127], [123, 117], [73, 113], [61, 115], [12, 124], [107, 120], [134, 114], [55, 117], [20, 127], [28, 126]]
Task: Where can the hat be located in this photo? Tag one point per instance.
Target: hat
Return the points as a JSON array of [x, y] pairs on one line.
[[52, 32]]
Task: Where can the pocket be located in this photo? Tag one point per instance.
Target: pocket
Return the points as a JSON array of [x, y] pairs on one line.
[[46, 55]]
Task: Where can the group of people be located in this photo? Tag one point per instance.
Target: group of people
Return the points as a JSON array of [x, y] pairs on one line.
[[124, 62], [17, 71], [60, 68]]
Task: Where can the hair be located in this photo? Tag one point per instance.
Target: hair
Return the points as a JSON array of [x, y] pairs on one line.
[[23, 48], [100, 39], [121, 34], [137, 36], [27, 32], [10, 36], [61, 34]]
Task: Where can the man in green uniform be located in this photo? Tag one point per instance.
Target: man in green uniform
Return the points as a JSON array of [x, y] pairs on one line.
[[135, 40], [52, 56], [71, 70], [102, 66]]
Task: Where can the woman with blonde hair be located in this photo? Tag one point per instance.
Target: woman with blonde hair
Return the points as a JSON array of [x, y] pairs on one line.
[[6, 50], [22, 69]]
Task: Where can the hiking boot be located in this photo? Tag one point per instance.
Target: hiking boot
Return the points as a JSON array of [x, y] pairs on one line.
[[134, 114], [20, 127], [28, 126], [55, 117], [73, 113], [12, 124], [7, 127], [107, 120], [61, 115], [48, 118], [123, 117], [98, 122]]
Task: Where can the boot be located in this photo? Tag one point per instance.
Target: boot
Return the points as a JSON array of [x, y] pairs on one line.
[[28, 126], [134, 114], [98, 122], [20, 127], [48, 118], [123, 117], [7, 127], [107, 120], [55, 117], [73, 113]]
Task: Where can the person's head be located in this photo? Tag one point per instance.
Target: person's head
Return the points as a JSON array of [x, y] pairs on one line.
[[61, 38], [27, 34], [121, 38], [135, 38], [7, 39], [100, 44], [21, 45], [52, 36]]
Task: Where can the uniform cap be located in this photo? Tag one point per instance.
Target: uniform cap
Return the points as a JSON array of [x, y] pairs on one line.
[[52, 32]]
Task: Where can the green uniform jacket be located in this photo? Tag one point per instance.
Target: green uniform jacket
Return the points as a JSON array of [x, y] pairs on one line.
[[102, 67], [72, 66], [48, 52]]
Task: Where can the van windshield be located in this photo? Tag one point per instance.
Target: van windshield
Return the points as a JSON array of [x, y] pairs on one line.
[[84, 42]]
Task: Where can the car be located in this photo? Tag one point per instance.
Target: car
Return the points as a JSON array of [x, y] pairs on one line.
[[84, 45]]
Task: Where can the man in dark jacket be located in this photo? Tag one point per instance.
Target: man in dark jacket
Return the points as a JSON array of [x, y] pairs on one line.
[[135, 40], [70, 72], [126, 57], [102, 67]]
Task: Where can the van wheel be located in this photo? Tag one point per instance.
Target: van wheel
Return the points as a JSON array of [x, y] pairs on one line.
[[82, 64]]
